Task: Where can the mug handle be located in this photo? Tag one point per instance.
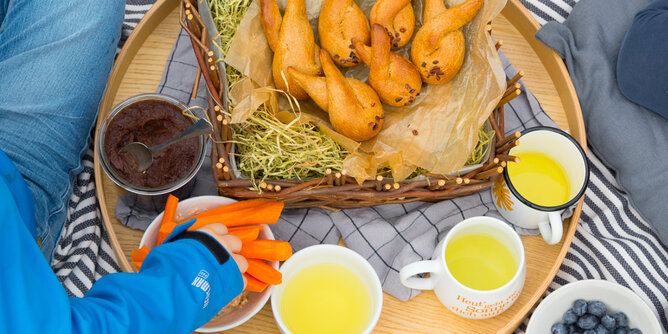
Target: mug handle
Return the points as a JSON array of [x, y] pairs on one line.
[[408, 271], [553, 228]]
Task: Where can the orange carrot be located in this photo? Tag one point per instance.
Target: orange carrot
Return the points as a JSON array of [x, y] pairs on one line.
[[139, 254], [266, 213], [170, 209], [167, 225], [165, 230], [264, 272], [253, 284], [246, 234], [236, 206], [137, 264], [244, 228], [270, 250]]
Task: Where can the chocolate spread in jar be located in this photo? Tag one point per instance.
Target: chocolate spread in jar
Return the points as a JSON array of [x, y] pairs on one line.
[[151, 122]]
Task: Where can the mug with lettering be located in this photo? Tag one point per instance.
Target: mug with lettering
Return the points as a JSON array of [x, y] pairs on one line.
[[551, 175], [477, 271]]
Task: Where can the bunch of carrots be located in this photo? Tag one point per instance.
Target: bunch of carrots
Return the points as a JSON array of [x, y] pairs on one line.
[[241, 219]]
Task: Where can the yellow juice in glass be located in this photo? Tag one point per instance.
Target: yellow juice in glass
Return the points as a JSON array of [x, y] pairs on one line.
[[539, 179], [326, 298], [480, 261]]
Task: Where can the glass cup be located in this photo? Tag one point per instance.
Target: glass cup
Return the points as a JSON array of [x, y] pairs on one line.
[[182, 184]]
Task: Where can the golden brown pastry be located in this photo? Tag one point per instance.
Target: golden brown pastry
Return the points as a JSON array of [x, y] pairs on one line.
[[354, 108], [291, 38], [397, 17], [432, 8], [396, 80], [316, 87], [438, 48], [340, 22]]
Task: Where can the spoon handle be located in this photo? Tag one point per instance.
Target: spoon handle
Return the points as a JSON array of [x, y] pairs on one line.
[[201, 127]]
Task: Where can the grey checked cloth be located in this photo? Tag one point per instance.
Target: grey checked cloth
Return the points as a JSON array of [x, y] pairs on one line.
[[388, 236]]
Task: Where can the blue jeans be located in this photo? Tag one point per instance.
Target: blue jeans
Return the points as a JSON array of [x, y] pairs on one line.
[[55, 57]]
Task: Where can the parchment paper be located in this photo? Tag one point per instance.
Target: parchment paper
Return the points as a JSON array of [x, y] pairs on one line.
[[437, 132]]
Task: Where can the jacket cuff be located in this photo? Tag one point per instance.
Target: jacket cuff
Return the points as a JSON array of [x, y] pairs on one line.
[[208, 241]]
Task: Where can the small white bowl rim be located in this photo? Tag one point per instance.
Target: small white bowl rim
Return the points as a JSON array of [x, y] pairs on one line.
[[626, 293], [266, 294], [275, 308]]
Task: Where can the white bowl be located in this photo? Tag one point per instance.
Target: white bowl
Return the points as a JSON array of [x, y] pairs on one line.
[[256, 301], [329, 253], [616, 298]]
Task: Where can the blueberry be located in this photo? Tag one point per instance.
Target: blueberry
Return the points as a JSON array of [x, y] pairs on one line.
[[621, 330], [608, 322], [572, 329], [570, 317], [589, 331], [580, 307], [559, 328], [634, 331], [621, 320], [596, 308], [600, 329], [588, 321]]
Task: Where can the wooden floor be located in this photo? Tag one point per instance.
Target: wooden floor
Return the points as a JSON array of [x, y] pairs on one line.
[[423, 314]]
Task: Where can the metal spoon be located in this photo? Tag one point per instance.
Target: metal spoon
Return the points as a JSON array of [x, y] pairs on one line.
[[143, 155]]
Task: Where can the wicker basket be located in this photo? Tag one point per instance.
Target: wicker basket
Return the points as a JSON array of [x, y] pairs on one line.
[[336, 190]]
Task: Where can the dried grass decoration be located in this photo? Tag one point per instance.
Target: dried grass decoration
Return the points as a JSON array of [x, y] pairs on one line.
[[267, 148]]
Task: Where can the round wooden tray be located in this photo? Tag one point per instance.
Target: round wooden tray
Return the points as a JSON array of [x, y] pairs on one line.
[[139, 67]]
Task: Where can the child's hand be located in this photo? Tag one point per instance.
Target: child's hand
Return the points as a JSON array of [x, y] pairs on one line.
[[231, 243]]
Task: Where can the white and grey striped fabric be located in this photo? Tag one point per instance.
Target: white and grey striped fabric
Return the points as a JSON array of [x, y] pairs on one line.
[[549, 10], [612, 241], [83, 253], [134, 11]]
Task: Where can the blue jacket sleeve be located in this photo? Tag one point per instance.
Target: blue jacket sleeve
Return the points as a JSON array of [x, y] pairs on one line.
[[180, 287]]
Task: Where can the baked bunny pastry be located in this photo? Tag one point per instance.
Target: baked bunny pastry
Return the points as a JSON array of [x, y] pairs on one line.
[[340, 22], [354, 108], [291, 38], [316, 87], [396, 80], [397, 17], [438, 48]]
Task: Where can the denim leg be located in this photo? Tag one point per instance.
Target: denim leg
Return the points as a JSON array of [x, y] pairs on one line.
[[4, 6], [55, 58]]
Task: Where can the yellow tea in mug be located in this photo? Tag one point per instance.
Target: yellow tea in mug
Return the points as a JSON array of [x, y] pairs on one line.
[[326, 298], [539, 179], [480, 261]]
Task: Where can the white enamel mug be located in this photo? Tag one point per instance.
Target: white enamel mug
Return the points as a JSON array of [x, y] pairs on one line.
[[565, 150], [458, 298]]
